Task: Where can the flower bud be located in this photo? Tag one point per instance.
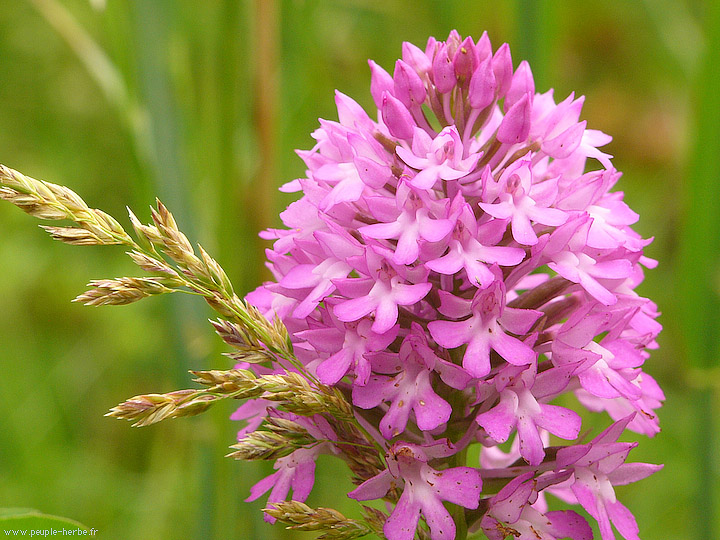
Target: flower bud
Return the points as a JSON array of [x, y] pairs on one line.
[[416, 58], [515, 127], [522, 84], [380, 81], [397, 118], [371, 172], [443, 72], [465, 59], [482, 86], [408, 88], [453, 43], [502, 67], [483, 49]]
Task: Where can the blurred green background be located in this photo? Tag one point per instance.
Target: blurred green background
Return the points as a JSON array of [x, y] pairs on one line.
[[202, 104]]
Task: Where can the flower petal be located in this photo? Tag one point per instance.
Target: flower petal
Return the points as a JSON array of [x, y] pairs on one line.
[[373, 488], [403, 520]]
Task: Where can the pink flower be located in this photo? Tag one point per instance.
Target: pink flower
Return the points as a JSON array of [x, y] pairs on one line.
[[572, 259], [414, 224], [520, 409], [297, 470], [607, 368], [410, 387], [523, 202], [424, 490], [511, 513], [467, 253], [597, 467], [349, 345], [486, 328], [436, 159], [379, 294]]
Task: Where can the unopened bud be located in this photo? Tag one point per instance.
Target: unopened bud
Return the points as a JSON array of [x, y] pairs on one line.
[[380, 82], [503, 69], [443, 71], [416, 58], [482, 86], [409, 88], [465, 59], [515, 127], [522, 84], [397, 118]]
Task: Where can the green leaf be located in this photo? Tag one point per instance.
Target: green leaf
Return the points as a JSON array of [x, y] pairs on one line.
[[29, 522], [5, 512]]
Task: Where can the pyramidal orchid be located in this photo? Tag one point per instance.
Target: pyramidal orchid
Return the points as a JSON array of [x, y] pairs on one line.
[[492, 255], [455, 262]]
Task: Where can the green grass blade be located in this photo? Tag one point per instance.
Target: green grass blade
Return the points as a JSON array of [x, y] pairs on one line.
[[698, 267]]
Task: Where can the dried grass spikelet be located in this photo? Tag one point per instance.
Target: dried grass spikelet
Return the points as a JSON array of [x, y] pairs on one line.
[[293, 390], [151, 264], [230, 381], [155, 242], [261, 444], [148, 235], [152, 408], [161, 248], [149, 409], [45, 200], [176, 244], [239, 339], [285, 426], [302, 398], [75, 236], [300, 516], [121, 291], [216, 273]]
